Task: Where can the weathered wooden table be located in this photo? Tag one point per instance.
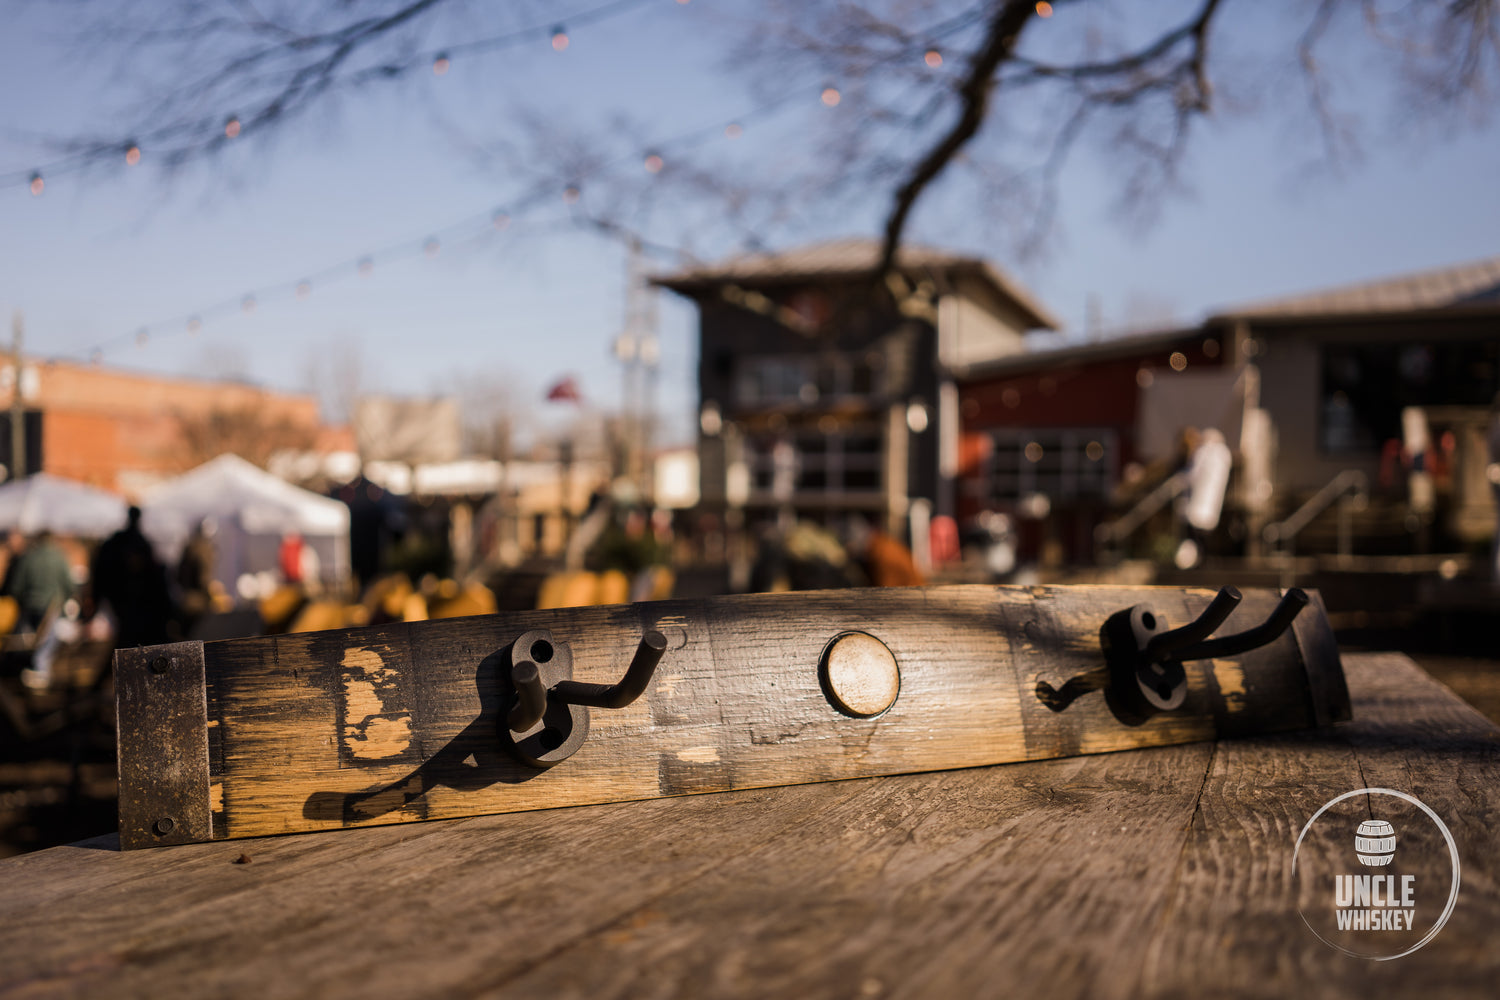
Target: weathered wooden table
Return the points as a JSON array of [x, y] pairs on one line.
[[1159, 872]]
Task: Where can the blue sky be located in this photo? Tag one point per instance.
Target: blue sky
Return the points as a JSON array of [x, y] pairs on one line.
[[104, 253]]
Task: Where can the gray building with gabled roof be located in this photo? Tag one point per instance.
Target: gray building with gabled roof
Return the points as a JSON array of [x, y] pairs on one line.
[[1337, 367], [1307, 388], [820, 395]]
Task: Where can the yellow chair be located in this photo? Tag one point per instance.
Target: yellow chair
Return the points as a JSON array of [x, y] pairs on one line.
[[280, 610], [573, 589], [316, 616], [475, 599], [414, 608], [613, 588]]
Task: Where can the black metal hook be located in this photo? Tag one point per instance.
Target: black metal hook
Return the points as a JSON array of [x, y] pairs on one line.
[[642, 666], [535, 700], [1145, 658], [1287, 609], [1221, 607], [532, 696]]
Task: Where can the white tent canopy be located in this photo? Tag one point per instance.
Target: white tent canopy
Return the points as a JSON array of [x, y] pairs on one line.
[[251, 511], [43, 502]]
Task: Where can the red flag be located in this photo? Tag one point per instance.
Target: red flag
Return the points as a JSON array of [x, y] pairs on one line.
[[565, 391]]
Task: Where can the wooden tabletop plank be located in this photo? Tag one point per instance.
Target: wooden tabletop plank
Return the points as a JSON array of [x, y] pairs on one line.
[[1155, 872], [945, 886], [1228, 922], [438, 905]]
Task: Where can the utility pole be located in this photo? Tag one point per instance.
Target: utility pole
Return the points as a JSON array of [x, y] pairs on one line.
[[17, 404], [639, 353]]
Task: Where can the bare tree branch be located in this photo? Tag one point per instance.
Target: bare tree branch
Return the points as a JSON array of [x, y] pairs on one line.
[[1000, 41], [1336, 136], [897, 65]]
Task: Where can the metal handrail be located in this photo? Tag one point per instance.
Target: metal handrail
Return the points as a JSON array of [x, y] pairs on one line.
[[1125, 525], [1349, 482]]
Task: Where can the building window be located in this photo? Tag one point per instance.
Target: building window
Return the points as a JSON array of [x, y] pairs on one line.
[[847, 461], [805, 379], [1365, 387], [1062, 463], [768, 381]]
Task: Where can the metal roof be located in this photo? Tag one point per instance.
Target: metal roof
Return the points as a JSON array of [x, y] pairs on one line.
[[1111, 349], [1472, 284], [850, 258]]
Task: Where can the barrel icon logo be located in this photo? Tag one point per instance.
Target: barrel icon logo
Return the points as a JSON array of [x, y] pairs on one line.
[[1375, 843], [1379, 907]]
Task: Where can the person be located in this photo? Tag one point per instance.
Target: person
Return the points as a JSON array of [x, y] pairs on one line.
[[195, 572], [15, 544], [1416, 443], [1492, 473], [998, 539], [1208, 478], [310, 566], [41, 580], [290, 557], [885, 561], [808, 557], [127, 577], [1421, 492]]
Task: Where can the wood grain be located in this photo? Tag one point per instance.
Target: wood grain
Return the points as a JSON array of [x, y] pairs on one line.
[[1158, 872], [398, 723], [1409, 734]]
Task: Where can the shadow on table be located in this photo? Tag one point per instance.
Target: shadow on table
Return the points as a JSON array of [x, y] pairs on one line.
[[470, 762]]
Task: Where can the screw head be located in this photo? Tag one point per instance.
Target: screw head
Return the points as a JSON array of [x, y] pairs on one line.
[[160, 665], [163, 826]]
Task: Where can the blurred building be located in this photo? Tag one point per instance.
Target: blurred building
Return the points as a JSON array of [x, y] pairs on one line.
[[823, 396], [406, 430], [126, 431], [1049, 437], [1317, 395], [1339, 368]]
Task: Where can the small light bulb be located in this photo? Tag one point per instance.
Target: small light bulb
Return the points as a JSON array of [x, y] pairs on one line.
[[734, 130], [500, 221], [571, 194], [133, 154], [194, 324], [559, 38], [1044, 9], [232, 127], [365, 266], [831, 96], [37, 184], [432, 246], [653, 164], [304, 289], [247, 304], [440, 64], [933, 58]]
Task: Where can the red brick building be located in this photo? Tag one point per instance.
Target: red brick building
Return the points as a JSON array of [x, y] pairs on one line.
[[1065, 424], [124, 431]]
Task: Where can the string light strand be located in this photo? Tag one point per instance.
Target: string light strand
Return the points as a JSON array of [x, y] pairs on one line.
[[223, 128]]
